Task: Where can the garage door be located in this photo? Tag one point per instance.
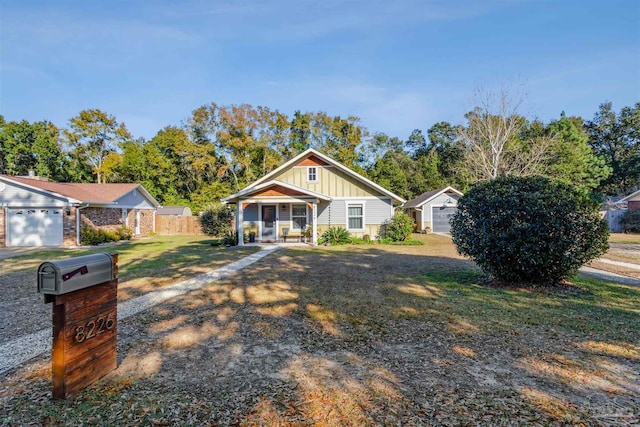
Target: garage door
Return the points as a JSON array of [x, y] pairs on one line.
[[35, 227], [441, 217]]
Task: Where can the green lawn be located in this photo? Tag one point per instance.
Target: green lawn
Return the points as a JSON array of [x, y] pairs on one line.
[[363, 335]]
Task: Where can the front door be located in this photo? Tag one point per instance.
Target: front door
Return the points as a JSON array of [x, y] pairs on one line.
[[136, 223], [268, 223]]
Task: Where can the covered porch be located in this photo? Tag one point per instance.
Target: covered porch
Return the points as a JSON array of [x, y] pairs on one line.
[[276, 212]]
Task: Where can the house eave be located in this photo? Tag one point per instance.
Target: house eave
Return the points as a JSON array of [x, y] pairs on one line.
[[332, 162], [246, 193], [630, 196], [444, 190], [69, 200]]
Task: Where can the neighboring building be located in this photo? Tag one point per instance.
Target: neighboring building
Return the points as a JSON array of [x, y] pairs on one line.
[[633, 200], [431, 211], [174, 210], [312, 192], [36, 212]]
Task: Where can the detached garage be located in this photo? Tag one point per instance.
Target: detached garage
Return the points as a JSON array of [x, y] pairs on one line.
[[432, 211], [37, 212]]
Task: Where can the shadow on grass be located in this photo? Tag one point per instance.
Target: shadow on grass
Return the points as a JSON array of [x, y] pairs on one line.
[[369, 336], [144, 266]]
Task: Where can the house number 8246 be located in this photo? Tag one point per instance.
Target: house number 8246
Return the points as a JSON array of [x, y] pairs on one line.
[[93, 328]]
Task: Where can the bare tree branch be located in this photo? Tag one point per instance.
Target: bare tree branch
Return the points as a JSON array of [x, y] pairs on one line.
[[492, 138]]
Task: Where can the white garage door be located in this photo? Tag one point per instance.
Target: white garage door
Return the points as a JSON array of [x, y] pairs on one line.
[[35, 227], [441, 217]]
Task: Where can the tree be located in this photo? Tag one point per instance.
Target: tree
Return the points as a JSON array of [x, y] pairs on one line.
[[33, 146], [617, 140], [93, 135], [528, 229], [571, 158], [216, 219], [378, 146], [416, 144], [388, 172], [448, 151], [339, 138], [229, 133], [300, 131], [491, 138], [181, 163]]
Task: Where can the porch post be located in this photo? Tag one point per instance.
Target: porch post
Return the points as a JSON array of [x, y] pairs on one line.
[[239, 223], [314, 218]]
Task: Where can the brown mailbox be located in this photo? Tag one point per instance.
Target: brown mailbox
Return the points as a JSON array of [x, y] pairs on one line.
[[84, 293]]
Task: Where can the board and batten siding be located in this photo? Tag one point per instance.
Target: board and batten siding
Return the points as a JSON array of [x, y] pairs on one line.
[[16, 196], [330, 181]]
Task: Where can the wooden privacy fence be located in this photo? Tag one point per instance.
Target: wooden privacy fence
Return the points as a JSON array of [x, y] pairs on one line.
[[613, 219], [174, 224]]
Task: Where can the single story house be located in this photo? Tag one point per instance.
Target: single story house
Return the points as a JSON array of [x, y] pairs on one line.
[[633, 200], [309, 194], [37, 212], [431, 211], [174, 210]]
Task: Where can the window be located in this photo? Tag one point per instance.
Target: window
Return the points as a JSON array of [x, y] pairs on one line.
[[312, 174], [299, 217], [355, 215]]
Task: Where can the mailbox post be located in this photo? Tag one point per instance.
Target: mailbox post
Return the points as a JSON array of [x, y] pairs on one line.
[[84, 292]]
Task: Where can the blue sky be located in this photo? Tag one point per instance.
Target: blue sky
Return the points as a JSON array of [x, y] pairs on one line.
[[398, 65]]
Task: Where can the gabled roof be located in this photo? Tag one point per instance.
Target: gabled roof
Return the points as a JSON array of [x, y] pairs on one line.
[[82, 192], [274, 183], [428, 196], [311, 152], [630, 196]]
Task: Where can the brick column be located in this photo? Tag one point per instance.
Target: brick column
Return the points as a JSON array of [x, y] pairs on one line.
[[69, 227]]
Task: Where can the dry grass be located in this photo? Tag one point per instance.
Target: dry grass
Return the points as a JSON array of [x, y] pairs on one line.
[[144, 265], [361, 335], [623, 248], [624, 238], [612, 268]]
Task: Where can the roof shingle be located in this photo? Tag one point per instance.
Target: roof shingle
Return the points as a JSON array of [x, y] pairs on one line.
[[96, 193]]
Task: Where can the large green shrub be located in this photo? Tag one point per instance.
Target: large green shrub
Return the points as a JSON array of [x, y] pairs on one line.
[[528, 229], [335, 236], [631, 221], [400, 227], [216, 220]]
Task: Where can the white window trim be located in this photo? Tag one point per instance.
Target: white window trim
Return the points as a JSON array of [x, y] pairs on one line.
[[308, 170], [355, 203], [306, 212]]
